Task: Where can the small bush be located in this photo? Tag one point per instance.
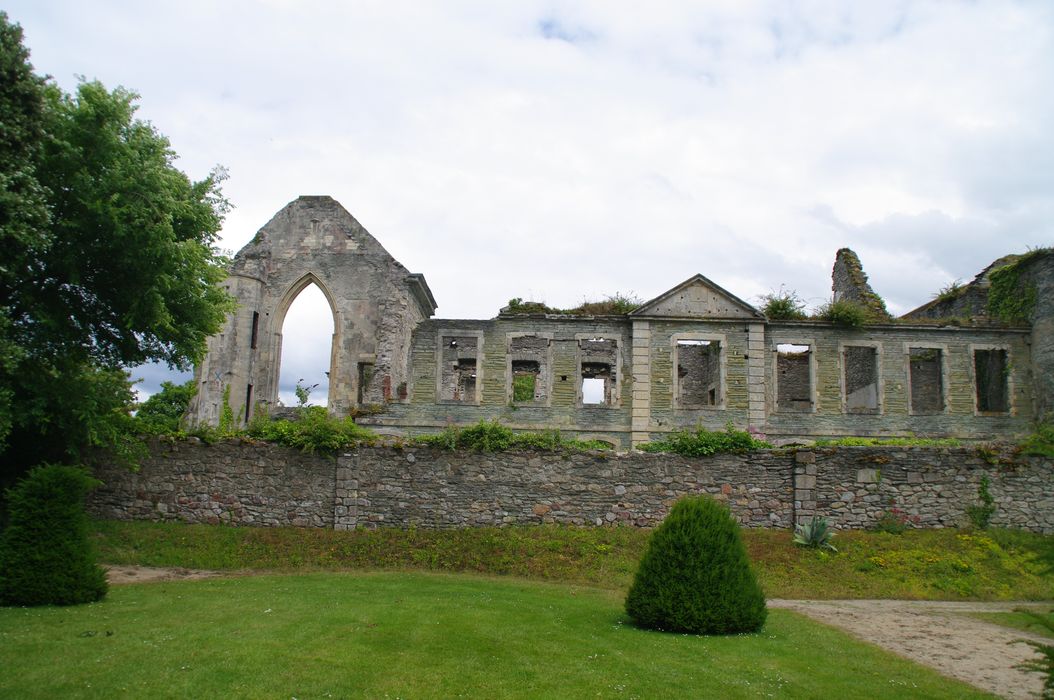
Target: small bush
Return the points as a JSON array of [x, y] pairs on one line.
[[980, 515], [815, 533], [701, 443], [844, 313], [313, 431], [45, 555], [784, 305], [695, 576]]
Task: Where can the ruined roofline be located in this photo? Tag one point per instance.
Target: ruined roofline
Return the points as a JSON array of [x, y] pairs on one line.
[[950, 303], [697, 279]]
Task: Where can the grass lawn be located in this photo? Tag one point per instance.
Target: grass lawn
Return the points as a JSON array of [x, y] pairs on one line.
[[918, 564], [418, 635], [1021, 621]]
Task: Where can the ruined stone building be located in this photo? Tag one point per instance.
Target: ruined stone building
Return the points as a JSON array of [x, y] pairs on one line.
[[696, 355]]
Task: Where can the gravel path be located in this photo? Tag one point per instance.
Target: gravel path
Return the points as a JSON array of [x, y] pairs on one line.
[[941, 635]]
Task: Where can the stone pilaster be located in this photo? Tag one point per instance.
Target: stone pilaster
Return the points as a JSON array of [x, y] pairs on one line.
[[756, 375], [641, 362]]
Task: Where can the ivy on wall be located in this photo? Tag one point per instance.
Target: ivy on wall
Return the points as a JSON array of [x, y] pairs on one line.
[[1011, 299]]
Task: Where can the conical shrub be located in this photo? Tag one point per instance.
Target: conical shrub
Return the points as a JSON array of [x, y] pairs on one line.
[[695, 576], [45, 555]]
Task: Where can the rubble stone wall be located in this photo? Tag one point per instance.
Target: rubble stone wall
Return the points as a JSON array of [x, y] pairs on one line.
[[267, 485]]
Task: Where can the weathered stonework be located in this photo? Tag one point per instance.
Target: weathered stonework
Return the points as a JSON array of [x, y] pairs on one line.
[[850, 284], [255, 484], [375, 301], [630, 378]]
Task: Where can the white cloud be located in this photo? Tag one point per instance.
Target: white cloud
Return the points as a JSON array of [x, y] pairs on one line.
[[561, 151]]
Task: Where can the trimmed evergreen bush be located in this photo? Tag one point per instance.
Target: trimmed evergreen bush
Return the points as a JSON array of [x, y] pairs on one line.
[[695, 576], [45, 555]]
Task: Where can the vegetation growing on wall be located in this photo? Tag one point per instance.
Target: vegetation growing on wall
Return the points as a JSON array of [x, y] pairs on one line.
[[953, 290], [783, 305], [844, 312], [873, 304], [313, 431], [617, 304], [701, 442], [491, 436], [890, 441], [981, 513], [1009, 298]]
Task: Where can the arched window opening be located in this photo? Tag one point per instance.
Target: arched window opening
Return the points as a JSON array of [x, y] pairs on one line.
[[307, 342]]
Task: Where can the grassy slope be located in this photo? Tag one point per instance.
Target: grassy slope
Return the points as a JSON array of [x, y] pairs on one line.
[[922, 564], [420, 635], [1020, 621]]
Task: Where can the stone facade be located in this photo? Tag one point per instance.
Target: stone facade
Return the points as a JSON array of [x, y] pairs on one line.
[[255, 484], [375, 301], [696, 355]]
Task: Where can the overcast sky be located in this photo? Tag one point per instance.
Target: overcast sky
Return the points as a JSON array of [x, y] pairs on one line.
[[563, 151]]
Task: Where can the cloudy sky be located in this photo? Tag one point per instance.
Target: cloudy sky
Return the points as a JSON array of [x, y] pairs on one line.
[[564, 151]]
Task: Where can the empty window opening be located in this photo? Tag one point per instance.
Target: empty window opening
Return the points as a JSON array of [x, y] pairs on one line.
[[459, 372], [528, 368], [598, 360], [365, 377], [525, 380], [990, 370], [699, 372], [307, 348], [248, 402], [860, 364], [593, 391], [793, 377], [253, 337], [927, 380]]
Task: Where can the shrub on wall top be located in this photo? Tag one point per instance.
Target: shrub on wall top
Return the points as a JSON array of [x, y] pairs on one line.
[[695, 576], [45, 555]]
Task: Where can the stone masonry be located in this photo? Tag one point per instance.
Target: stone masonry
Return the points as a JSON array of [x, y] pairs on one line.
[[241, 483], [626, 378]]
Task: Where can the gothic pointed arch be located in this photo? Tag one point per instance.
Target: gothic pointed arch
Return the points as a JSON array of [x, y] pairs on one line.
[[375, 301]]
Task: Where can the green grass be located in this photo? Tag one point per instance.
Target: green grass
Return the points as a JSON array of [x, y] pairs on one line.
[[1020, 621], [420, 636], [918, 564], [888, 442]]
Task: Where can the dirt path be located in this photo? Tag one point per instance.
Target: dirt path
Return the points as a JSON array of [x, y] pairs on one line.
[[941, 635], [117, 575]]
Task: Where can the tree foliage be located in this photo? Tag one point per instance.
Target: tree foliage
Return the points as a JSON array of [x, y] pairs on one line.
[[45, 555], [695, 576], [162, 412], [108, 260]]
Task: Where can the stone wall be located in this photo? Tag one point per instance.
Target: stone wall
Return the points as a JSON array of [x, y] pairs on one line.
[[854, 486], [254, 484], [228, 482]]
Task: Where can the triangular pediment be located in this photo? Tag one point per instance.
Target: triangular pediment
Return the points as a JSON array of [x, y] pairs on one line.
[[698, 297]]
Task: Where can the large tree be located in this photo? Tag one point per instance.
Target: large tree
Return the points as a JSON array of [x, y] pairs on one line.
[[109, 259]]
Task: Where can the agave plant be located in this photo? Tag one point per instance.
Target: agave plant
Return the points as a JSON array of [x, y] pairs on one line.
[[815, 533]]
